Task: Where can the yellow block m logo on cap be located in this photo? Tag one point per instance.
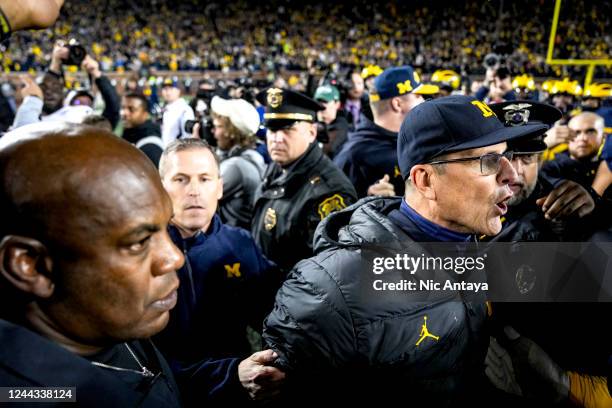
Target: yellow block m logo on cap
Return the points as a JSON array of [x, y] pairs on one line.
[[486, 111], [233, 271], [404, 87]]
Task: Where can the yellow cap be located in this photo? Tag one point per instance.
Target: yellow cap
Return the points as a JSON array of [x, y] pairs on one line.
[[427, 89], [598, 90], [447, 77], [524, 81], [566, 86], [371, 71]]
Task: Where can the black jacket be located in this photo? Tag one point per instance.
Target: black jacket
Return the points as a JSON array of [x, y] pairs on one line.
[[30, 360], [337, 132], [332, 334], [112, 103], [147, 137], [370, 153], [566, 168], [291, 202]]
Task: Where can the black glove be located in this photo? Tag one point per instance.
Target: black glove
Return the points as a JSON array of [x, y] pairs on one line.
[[536, 373]]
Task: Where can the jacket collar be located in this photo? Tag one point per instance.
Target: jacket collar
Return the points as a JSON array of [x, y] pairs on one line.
[[199, 238], [422, 229]]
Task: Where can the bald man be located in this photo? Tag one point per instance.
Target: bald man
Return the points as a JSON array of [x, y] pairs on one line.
[[88, 271], [581, 161]]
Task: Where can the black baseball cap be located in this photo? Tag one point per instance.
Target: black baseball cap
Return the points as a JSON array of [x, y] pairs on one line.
[[523, 112], [452, 124]]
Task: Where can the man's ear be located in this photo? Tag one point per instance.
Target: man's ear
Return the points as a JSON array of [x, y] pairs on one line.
[[24, 262], [422, 177], [312, 131], [396, 104], [220, 188]]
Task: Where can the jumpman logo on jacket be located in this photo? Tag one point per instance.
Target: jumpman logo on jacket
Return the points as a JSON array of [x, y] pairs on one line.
[[425, 333]]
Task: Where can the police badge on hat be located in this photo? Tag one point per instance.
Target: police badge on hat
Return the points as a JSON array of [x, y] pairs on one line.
[[270, 219], [274, 97], [516, 114]]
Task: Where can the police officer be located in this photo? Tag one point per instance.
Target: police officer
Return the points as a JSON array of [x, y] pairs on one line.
[[369, 157], [563, 364], [301, 187], [547, 206]]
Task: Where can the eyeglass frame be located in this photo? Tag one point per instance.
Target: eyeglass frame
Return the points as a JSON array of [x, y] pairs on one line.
[[535, 152], [508, 154]]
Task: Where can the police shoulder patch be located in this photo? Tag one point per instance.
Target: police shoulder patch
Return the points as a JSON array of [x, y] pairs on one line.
[[331, 204]]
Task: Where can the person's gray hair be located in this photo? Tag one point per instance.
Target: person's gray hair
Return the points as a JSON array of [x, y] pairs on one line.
[[180, 145]]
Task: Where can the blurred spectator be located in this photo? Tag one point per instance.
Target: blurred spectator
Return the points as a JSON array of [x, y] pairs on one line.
[[235, 122], [497, 86], [335, 123], [138, 128], [175, 114]]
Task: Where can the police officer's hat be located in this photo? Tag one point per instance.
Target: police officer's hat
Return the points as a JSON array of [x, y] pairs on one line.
[[452, 124], [284, 106], [519, 113]]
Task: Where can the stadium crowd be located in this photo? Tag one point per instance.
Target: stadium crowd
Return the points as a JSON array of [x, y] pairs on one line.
[[191, 35]]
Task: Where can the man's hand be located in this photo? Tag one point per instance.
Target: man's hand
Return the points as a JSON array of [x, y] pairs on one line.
[[382, 188], [567, 199], [195, 132], [559, 134], [60, 53], [91, 66], [499, 369], [25, 14], [258, 378], [30, 88]]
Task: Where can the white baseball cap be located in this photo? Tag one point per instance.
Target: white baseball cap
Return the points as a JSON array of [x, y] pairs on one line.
[[242, 114]]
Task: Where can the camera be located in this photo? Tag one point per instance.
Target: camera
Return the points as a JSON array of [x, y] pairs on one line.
[[205, 132], [493, 61], [76, 53], [322, 134]]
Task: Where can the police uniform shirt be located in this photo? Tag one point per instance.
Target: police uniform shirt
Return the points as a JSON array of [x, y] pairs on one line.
[[291, 202]]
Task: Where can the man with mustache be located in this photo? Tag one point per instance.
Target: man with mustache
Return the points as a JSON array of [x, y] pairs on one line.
[[301, 187], [539, 335], [537, 201], [88, 271], [329, 329], [226, 285]]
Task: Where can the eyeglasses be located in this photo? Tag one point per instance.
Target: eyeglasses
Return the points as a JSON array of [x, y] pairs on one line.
[[527, 157], [490, 163]]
